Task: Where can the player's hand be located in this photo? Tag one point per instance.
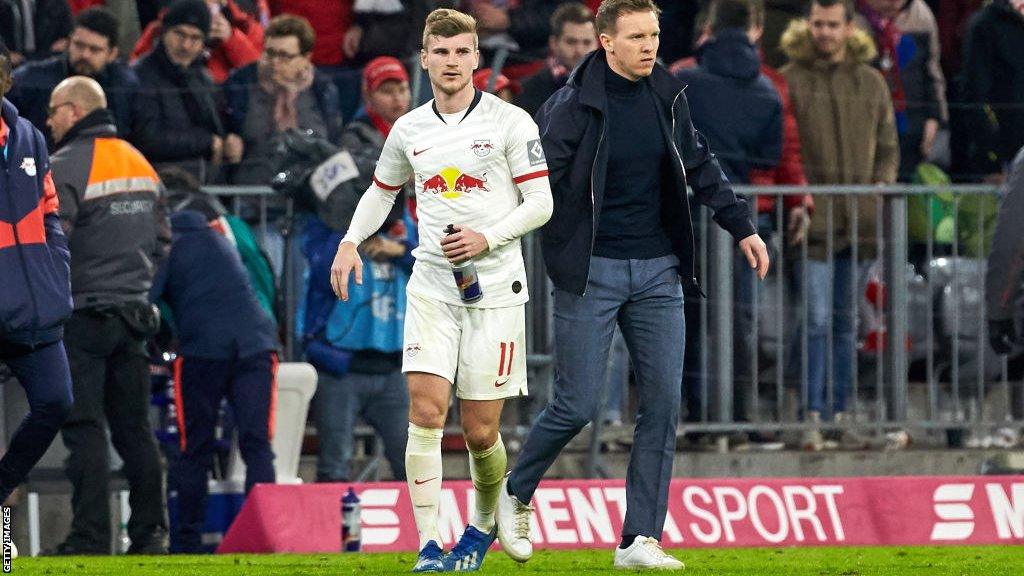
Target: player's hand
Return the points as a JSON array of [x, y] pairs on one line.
[[464, 244], [346, 260], [234, 148], [757, 254]]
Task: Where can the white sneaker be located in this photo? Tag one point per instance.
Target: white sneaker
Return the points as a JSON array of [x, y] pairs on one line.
[[513, 520], [645, 554]]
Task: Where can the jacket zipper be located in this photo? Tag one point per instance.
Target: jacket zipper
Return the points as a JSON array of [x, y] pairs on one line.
[[686, 197], [593, 202]]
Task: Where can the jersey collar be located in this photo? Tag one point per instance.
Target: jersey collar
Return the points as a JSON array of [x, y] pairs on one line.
[[476, 100]]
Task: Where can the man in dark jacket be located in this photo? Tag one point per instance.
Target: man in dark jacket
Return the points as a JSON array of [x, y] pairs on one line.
[[1005, 272], [280, 92], [226, 349], [36, 288], [112, 212], [616, 246], [572, 38], [177, 115], [993, 85], [34, 30], [91, 52], [748, 137]]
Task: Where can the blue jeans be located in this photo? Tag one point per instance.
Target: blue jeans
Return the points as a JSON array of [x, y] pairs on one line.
[[820, 283], [381, 400], [645, 298]]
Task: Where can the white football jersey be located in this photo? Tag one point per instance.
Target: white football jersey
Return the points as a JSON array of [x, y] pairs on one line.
[[467, 167]]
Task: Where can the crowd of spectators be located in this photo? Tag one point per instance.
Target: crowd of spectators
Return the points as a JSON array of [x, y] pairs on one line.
[[789, 92]]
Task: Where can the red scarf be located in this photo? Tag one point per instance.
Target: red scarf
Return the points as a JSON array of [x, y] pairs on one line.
[[888, 37], [379, 123]]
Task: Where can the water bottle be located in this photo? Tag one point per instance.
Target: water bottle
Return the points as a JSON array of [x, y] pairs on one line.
[[465, 277], [351, 533]]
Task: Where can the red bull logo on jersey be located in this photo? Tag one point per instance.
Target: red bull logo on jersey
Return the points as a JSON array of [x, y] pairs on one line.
[[452, 183]]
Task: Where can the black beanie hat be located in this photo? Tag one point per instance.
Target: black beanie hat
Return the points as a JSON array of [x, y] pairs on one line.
[[192, 12]]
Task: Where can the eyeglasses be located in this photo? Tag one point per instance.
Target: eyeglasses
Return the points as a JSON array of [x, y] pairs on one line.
[[51, 110], [270, 54]]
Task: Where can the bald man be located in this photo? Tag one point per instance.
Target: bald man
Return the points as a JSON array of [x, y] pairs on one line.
[[113, 214]]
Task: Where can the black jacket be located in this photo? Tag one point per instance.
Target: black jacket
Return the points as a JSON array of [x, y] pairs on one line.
[[177, 113], [34, 82], [537, 89], [52, 21], [993, 76], [572, 126]]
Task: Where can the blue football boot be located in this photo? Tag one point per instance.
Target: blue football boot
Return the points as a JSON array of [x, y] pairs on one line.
[[468, 554], [431, 558]]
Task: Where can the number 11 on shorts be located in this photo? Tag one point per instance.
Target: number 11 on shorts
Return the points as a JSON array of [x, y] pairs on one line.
[[508, 350]]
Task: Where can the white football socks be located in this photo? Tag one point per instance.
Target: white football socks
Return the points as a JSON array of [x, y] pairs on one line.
[[423, 469]]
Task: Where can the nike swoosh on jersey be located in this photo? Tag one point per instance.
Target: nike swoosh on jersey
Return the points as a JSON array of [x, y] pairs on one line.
[[418, 482], [416, 152]]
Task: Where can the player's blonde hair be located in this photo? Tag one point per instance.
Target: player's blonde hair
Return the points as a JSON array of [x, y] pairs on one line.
[[445, 22]]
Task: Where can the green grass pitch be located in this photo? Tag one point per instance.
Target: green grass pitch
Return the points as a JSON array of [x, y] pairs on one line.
[[957, 561]]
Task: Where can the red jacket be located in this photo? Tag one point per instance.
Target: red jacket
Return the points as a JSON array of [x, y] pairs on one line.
[[790, 171], [242, 48], [330, 19]]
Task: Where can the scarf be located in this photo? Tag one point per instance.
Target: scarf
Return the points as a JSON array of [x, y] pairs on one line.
[[558, 72], [379, 123], [888, 38], [286, 115]]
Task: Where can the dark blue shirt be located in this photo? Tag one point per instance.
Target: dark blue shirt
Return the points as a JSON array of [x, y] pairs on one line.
[[629, 225]]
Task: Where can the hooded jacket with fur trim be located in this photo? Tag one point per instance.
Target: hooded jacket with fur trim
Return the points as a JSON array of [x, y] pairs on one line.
[[848, 132]]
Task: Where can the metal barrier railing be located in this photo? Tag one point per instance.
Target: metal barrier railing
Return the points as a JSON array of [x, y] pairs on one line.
[[920, 357]]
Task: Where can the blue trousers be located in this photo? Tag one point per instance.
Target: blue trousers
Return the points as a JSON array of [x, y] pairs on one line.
[[645, 298], [200, 385], [381, 400], [43, 373]]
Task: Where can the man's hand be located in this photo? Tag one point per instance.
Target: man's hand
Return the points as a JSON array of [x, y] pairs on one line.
[[346, 260], [1002, 335], [234, 148], [799, 221], [353, 37], [382, 249], [216, 150], [220, 28], [490, 16], [931, 129], [757, 254], [464, 244]]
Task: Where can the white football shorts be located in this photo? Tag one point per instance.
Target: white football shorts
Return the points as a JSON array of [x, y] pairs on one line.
[[481, 350]]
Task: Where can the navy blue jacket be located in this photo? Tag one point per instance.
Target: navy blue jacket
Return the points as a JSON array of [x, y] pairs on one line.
[[572, 126], [34, 82], [35, 272], [729, 78], [208, 290]]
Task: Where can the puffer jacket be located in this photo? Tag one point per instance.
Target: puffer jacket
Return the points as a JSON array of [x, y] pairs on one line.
[[35, 290], [848, 132], [112, 211]]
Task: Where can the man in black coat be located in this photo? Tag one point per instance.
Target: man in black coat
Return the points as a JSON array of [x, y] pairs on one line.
[[572, 38], [92, 52], [177, 111], [619, 249]]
